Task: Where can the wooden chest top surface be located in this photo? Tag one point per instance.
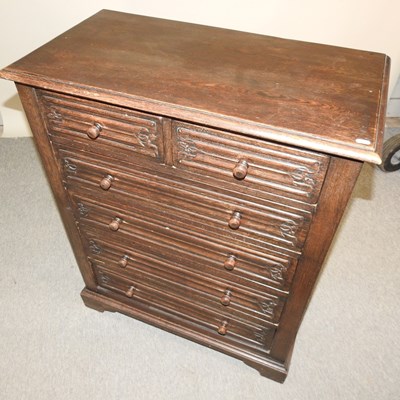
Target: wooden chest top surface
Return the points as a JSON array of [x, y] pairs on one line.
[[316, 96]]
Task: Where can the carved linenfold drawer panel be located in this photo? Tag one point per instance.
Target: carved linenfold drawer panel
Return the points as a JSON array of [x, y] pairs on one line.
[[181, 207], [258, 274], [245, 334], [179, 227], [97, 125], [249, 163]]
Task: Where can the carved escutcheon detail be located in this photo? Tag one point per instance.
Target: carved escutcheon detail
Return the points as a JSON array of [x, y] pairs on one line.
[[54, 115], [268, 307], [277, 271], [187, 149], [289, 229], [70, 167], [261, 336], [94, 247], [104, 279], [303, 176], [147, 139], [83, 210]]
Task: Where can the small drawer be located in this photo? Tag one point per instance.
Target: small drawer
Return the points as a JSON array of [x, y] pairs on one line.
[[219, 325], [94, 127], [248, 164]]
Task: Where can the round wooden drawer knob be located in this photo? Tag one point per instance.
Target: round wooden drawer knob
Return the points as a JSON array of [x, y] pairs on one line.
[[123, 262], [105, 183], [240, 169], [230, 262], [234, 221], [226, 298], [114, 225], [130, 292], [94, 131], [223, 328]]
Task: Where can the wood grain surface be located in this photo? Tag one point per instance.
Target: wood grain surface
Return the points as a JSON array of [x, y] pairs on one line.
[[322, 97]]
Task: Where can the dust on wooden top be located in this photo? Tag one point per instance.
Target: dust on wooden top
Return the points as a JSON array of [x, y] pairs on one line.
[[320, 97]]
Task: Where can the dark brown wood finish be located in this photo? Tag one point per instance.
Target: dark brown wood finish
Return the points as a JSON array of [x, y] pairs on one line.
[[339, 184], [201, 185], [35, 119], [323, 97]]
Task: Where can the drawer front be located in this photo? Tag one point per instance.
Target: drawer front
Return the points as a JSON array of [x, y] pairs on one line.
[[249, 165], [97, 126], [182, 207], [123, 249], [222, 327]]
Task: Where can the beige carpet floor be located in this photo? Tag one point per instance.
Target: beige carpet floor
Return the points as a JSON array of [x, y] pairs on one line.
[[52, 347]]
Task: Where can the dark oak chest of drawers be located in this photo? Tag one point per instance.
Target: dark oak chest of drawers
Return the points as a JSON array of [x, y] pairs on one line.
[[201, 173]]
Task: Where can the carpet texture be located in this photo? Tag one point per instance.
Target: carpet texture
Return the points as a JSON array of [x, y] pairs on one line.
[[53, 347]]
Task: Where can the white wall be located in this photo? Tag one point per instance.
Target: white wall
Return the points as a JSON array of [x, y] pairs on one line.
[[369, 25], [393, 110]]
